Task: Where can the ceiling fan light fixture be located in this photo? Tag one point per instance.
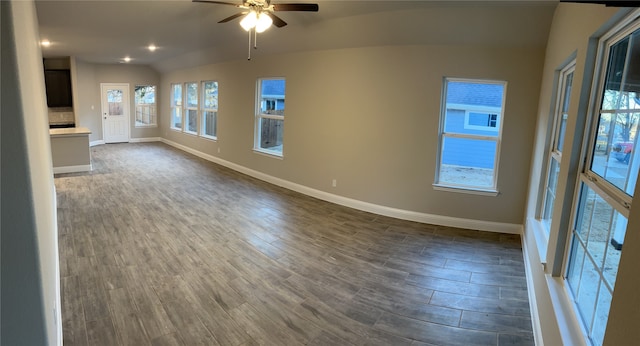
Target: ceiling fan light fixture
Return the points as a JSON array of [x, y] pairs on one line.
[[264, 22], [249, 21]]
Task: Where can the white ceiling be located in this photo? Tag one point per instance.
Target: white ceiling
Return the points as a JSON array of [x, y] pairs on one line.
[[188, 34]]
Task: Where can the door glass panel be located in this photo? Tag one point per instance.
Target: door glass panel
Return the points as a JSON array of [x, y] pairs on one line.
[[114, 99]]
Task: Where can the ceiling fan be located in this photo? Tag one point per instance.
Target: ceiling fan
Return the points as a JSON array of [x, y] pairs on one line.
[[607, 3], [263, 7], [259, 15]]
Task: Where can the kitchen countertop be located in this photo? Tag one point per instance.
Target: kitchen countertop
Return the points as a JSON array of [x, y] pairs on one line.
[[71, 131]]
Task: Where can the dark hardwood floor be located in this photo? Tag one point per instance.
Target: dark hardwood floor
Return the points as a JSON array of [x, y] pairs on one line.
[[159, 247]]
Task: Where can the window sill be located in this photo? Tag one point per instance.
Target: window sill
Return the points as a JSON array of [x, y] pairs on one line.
[[542, 239], [211, 138], [269, 153], [467, 190], [177, 129]]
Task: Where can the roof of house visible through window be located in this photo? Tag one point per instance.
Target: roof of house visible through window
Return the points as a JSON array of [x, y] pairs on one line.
[[273, 87], [476, 94]]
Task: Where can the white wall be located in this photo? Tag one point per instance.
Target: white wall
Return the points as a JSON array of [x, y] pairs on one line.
[[30, 271], [368, 117]]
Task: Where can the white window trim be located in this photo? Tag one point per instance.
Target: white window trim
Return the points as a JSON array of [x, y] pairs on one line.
[[470, 189], [174, 106], [477, 109], [259, 115], [203, 111], [187, 108], [154, 104], [481, 127], [600, 187], [553, 153]]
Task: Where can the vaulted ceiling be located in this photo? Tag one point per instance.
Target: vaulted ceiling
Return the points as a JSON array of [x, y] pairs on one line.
[[187, 33]]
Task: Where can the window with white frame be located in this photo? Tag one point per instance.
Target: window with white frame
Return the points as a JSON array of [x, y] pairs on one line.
[[270, 116], [209, 121], [191, 108], [176, 106], [470, 134], [554, 157], [607, 181], [145, 103], [482, 119]]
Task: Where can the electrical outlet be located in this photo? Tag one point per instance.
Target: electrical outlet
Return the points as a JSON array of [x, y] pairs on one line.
[[218, 150], [334, 183]]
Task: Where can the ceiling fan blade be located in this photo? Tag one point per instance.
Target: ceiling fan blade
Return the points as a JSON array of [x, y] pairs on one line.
[[277, 21], [232, 17], [217, 2], [606, 3], [296, 7]]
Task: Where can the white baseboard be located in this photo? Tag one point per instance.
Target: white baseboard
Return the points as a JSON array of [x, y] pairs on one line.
[[531, 288], [94, 143], [145, 140], [357, 204], [71, 169]]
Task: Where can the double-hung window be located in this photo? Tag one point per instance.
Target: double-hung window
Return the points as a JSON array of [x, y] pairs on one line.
[[145, 99], [470, 134], [209, 123], [607, 182], [270, 116], [559, 126], [191, 107], [176, 106]]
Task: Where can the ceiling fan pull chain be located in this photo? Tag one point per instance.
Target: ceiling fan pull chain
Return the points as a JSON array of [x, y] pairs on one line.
[[249, 57], [255, 39]]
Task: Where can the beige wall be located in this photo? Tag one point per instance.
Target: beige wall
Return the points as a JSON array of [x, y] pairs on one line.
[[368, 117], [30, 274], [89, 76]]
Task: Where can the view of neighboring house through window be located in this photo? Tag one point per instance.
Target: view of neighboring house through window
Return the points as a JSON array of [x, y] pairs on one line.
[[607, 182], [145, 99], [209, 109], [470, 134], [270, 116], [176, 106], [191, 108], [559, 126]]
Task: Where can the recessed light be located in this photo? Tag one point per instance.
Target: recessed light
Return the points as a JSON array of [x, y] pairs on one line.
[[152, 47], [45, 43], [126, 59]]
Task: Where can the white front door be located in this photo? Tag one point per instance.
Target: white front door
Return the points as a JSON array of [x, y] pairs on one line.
[[115, 112]]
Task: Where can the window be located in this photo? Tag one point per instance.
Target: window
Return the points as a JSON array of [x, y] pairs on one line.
[[270, 116], [479, 120], [209, 109], [470, 133], [145, 98], [191, 108], [606, 183], [176, 106], [559, 124]]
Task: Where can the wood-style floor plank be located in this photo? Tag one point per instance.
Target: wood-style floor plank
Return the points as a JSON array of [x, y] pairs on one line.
[[159, 247]]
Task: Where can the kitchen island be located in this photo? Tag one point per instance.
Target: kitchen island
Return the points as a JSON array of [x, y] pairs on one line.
[[70, 149]]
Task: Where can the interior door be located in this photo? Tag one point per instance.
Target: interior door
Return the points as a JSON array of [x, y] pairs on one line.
[[115, 112]]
